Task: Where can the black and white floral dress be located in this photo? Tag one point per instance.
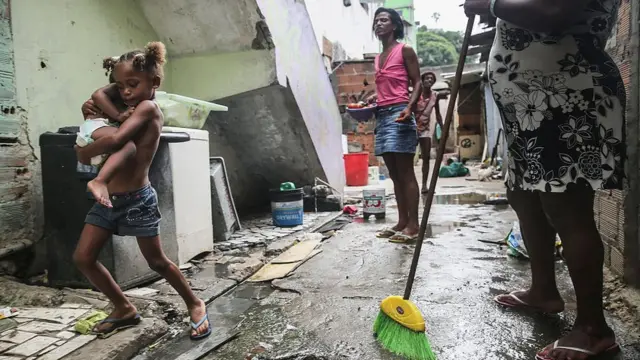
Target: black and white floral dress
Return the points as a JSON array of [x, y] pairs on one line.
[[562, 103]]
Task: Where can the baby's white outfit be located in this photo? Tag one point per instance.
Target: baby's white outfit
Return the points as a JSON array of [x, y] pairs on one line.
[[84, 136]]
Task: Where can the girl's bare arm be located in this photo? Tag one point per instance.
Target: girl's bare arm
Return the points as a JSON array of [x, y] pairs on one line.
[[102, 98], [145, 112]]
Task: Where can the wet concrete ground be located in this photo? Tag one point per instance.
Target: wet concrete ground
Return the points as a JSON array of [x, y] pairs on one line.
[[326, 309]]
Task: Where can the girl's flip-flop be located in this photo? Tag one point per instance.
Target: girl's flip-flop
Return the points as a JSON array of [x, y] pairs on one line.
[[116, 325], [195, 326]]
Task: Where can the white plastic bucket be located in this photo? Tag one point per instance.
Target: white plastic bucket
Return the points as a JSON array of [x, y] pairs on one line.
[[374, 202], [374, 175]]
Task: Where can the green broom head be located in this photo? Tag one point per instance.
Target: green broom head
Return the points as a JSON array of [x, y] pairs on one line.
[[400, 329]]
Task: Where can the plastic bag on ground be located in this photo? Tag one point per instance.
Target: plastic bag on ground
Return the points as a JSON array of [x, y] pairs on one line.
[[515, 241], [517, 247]]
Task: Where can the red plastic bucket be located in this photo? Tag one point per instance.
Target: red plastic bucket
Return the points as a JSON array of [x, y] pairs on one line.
[[356, 166]]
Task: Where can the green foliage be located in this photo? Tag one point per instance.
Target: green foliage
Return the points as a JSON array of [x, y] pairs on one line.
[[437, 47]]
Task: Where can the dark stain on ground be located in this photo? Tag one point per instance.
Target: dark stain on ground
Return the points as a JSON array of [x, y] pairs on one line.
[[499, 279], [460, 199], [489, 258], [481, 250]]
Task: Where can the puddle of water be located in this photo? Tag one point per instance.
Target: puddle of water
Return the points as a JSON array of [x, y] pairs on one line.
[[222, 270], [460, 199], [252, 291], [267, 334], [472, 198]]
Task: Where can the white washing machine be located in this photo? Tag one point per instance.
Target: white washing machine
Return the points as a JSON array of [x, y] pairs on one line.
[[191, 187]]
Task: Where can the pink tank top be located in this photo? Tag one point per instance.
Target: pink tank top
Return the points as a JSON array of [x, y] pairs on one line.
[[392, 80]]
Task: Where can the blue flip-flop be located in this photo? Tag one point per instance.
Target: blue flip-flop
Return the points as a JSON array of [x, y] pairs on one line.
[[116, 325], [195, 327]]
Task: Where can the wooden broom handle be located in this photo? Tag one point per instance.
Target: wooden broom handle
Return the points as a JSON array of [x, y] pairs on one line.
[[439, 156]]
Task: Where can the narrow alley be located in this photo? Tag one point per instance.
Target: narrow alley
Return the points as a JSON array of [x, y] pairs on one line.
[[326, 308], [261, 131]]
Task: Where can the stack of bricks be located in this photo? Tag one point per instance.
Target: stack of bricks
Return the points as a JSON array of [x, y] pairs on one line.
[[354, 78]]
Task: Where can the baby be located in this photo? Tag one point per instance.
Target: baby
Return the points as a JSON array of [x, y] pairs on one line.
[[114, 111]]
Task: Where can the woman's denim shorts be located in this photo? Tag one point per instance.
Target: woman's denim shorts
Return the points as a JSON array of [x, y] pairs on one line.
[[393, 136]]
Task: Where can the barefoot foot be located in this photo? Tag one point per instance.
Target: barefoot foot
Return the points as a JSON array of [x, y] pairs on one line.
[[100, 192]]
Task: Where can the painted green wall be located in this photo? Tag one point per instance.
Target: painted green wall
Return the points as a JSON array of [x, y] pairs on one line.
[[398, 3], [59, 46], [214, 76], [405, 7]]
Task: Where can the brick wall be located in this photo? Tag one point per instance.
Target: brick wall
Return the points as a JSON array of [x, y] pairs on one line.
[[610, 219], [609, 205], [17, 218], [353, 78]]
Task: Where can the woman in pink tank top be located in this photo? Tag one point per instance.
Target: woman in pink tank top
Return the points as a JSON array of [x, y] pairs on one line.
[[396, 134]]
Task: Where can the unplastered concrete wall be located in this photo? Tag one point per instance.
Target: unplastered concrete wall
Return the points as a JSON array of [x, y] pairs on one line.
[[346, 27], [58, 47], [264, 142], [300, 67], [217, 48]]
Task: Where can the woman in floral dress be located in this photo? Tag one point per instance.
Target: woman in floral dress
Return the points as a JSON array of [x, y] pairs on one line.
[[562, 101]]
